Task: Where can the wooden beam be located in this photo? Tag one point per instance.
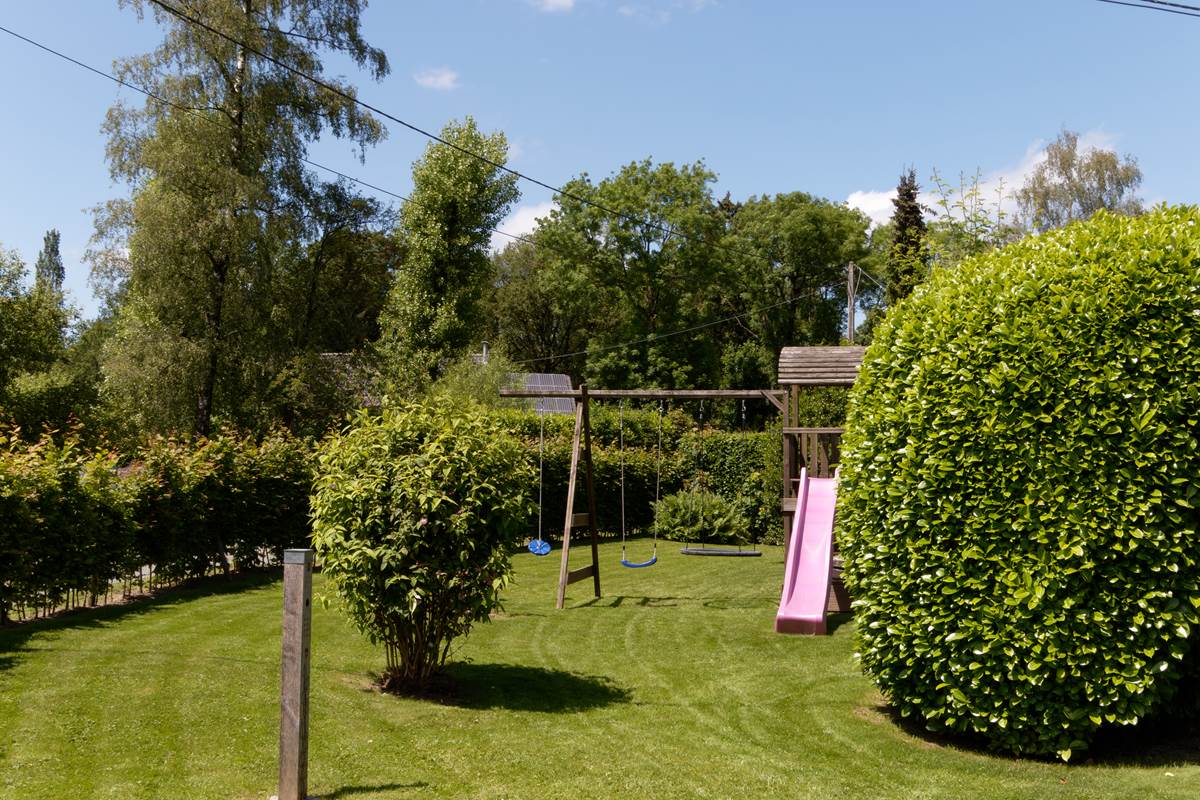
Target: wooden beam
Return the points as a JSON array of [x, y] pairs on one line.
[[653, 394], [564, 567], [583, 573], [775, 398], [591, 488]]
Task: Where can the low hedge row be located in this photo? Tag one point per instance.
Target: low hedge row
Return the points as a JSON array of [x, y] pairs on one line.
[[73, 522]]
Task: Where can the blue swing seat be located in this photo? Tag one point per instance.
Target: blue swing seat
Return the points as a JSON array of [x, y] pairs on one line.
[[639, 564], [539, 547]]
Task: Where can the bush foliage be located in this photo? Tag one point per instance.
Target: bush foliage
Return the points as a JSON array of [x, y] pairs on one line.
[[74, 521], [699, 516], [415, 513], [1018, 507]]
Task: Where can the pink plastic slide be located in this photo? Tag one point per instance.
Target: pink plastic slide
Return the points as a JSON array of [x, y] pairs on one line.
[[809, 558]]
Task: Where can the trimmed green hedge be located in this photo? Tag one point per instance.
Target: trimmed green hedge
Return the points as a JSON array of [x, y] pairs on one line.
[[72, 521], [1019, 495]]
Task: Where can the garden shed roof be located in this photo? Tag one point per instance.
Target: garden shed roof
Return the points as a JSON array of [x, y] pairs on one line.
[[819, 366]]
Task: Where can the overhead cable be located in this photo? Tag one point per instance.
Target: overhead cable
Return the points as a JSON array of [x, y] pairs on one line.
[[1156, 7], [186, 109]]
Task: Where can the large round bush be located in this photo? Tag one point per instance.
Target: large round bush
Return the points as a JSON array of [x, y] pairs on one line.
[[1020, 481], [415, 512]]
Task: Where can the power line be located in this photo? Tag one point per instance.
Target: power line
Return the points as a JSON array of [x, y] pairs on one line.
[[186, 109], [197, 113], [1154, 7], [666, 230], [1175, 5], [872, 277], [659, 336]]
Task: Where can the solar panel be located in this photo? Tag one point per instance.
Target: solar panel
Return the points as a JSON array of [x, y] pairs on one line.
[[546, 381]]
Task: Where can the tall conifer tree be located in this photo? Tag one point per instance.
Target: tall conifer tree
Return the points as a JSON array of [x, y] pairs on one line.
[[49, 272], [908, 259]]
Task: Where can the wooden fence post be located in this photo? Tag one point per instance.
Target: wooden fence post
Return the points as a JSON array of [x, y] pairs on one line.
[[293, 699]]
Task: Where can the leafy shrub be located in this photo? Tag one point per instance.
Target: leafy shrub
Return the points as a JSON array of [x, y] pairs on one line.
[[201, 503], [641, 425], [415, 511], [744, 468], [821, 407], [274, 481], [1018, 505], [700, 516]]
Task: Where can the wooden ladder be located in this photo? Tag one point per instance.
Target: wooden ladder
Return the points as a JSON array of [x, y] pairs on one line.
[[581, 444]]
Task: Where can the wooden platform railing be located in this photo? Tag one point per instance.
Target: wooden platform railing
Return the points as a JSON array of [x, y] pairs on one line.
[[819, 450]]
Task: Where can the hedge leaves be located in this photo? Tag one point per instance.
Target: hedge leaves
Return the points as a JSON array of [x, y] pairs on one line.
[[1021, 485]]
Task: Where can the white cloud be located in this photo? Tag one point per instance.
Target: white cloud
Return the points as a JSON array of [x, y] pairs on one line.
[[659, 12], [553, 6], [878, 204], [521, 222], [440, 79]]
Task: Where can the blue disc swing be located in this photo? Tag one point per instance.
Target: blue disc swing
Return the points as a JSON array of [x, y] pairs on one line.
[[625, 562], [539, 546]]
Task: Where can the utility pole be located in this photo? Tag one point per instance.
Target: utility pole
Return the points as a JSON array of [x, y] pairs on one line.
[[852, 278]]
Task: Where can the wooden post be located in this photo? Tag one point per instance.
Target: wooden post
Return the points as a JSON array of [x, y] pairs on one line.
[[851, 299], [581, 448], [293, 698], [564, 568], [589, 484]]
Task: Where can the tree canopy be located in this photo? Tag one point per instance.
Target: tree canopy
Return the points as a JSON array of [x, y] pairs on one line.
[[49, 271], [222, 201], [1073, 184], [435, 308], [908, 257]]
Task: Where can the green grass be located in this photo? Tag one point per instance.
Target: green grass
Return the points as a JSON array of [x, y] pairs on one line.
[[671, 686]]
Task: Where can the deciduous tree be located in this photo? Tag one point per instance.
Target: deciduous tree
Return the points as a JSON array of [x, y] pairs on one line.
[[791, 253], [647, 239], [48, 270], [220, 193], [435, 310], [1072, 184]]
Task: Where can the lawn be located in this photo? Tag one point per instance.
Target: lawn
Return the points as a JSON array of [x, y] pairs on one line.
[[671, 686]]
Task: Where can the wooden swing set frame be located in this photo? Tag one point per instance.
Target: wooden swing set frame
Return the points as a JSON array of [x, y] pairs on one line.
[[581, 451]]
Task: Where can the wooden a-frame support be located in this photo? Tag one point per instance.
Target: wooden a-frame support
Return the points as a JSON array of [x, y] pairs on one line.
[[580, 445]]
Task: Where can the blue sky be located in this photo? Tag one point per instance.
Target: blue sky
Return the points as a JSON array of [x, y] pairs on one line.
[[833, 98]]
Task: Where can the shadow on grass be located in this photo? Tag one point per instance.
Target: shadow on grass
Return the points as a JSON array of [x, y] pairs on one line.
[[13, 637], [351, 791], [1154, 743], [674, 601], [519, 688], [741, 603], [837, 619], [616, 601]]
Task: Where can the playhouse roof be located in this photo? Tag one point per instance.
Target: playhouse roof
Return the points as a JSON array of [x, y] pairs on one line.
[[819, 366]]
